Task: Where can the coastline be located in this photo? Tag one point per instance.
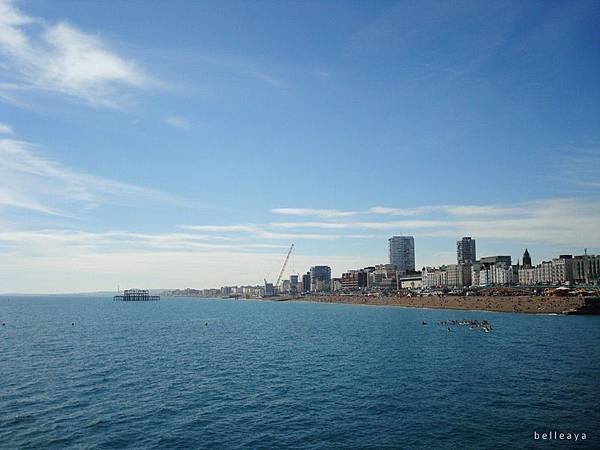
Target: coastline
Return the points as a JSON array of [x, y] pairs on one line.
[[512, 304]]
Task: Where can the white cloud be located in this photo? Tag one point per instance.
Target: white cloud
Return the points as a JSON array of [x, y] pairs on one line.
[[381, 225], [457, 210], [28, 180], [275, 82], [245, 228], [48, 241], [325, 213], [579, 167], [263, 232], [94, 270], [180, 123], [63, 59], [397, 211], [58, 260], [266, 234], [480, 210], [215, 255], [561, 221], [324, 225], [5, 129]]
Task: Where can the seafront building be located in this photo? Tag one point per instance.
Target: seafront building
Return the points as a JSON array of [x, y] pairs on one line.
[[466, 252], [294, 286], [459, 275], [355, 280], [434, 277], [493, 260], [402, 252], [306, 282], [566, 269], [499, 271], [336, 284], [385, 279], [586, 268], [410, 281], [320, 279]]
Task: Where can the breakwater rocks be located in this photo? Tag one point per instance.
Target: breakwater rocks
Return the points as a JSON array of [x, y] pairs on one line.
[[517, 304]]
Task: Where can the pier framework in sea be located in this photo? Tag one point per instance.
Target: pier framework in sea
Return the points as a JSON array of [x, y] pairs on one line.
[[136, 295]]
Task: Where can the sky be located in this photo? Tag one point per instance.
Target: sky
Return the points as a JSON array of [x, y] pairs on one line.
[[188, 144]]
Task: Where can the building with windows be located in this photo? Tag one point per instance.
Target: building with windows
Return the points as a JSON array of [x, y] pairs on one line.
[[294, 284], [305, 286], [465, 251], [336, 284], [412, 280], [269, 290], [402, 253], [320, 279], [562, 269], [526, 275], [485, 276], [458, 275], [226, 290], [475, 273], [355, 280], [504, 275], [543, 273], [432, 277], [492, 260], [586, 269], [384, 277]]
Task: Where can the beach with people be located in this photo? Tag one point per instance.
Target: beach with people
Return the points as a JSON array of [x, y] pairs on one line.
[[530, 304]]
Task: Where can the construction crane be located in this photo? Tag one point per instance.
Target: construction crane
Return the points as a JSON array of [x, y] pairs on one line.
[[287, 258]]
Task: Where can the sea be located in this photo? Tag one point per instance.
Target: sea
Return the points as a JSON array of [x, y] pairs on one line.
[[88, 372]]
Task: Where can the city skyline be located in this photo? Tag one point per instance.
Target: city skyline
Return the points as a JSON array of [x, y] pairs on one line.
[[185, 156]]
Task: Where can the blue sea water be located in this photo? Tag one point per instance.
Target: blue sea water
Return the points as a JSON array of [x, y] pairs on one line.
[[87, 372]]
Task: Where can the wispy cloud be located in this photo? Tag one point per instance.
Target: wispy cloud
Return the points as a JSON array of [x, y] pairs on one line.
[[579, 166], [397, 211], [47, 240], [5, 129], [32, 181], [325, 213], [564, 221], [94, 270], [455, 210], [264, 232], [323, 225], [63, 59], [211, 254], [266, 72], [220, 228], [380, 225], [178, 122], [273, 81]]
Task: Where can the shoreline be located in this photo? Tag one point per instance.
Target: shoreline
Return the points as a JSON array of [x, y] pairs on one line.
[[509, 304]]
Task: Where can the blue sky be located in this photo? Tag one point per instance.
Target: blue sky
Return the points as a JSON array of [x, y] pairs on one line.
[[174, 144]]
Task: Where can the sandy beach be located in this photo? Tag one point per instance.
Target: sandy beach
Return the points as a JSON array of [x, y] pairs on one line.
[[515, 304]]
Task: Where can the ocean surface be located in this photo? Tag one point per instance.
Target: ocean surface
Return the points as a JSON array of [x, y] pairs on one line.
[[87, 372]]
